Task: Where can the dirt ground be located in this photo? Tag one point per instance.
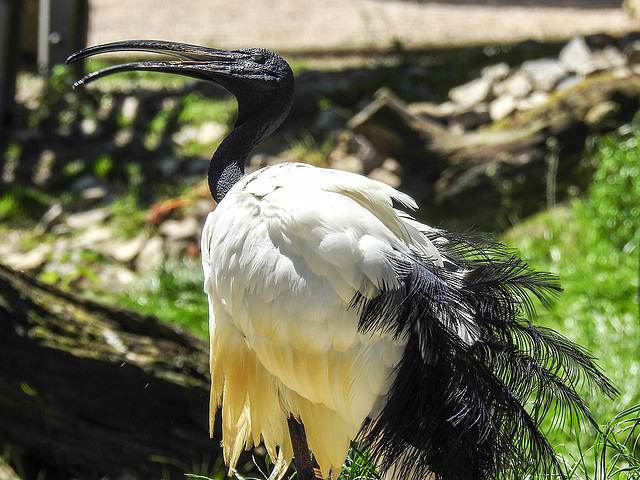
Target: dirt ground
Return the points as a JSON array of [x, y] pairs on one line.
[[328, 25]]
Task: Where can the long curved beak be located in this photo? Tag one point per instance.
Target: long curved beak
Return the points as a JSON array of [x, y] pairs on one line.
[[194, 61]]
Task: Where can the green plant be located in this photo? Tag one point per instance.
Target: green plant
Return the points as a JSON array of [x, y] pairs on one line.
[[173, 293]]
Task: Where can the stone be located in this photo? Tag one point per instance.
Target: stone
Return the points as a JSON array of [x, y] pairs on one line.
[[385, 176], [575, 55], [31, 260], [609, 58], [472, 93], [495, 73], [88, 218], [125, 250], [534, 100], [151, 256], [92, 237], [517, 85], [187, 227], [544, 73], [348, 163], [115, 277], [502, 107]]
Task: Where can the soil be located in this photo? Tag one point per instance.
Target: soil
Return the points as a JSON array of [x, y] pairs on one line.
[[355, 25]]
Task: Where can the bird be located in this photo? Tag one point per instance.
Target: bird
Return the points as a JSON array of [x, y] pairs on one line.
[[338, 319]]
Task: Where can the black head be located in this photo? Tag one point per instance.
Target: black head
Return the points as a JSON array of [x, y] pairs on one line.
[[253, 75], [261, 81]]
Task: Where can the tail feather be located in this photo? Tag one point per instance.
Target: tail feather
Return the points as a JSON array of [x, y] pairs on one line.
[[467, 393]]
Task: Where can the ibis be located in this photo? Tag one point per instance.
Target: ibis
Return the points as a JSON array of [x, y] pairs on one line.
[[336, 317]]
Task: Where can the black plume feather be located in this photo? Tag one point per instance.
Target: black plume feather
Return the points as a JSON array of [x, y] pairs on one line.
[[472, 362]]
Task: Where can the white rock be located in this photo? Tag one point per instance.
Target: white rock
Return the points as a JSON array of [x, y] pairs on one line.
[[609, 58], [544, 73], [385, 176], [151, 256], [125, 251], [34, 258], [501, 107], [93, 237], [472, 93], [88, 218], [496, 72], [348, 163], [114, 277], [534, 100], [575, 55], [187, 227], [517, 85]]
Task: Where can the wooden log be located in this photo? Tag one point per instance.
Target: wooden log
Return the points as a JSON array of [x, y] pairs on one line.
[[489, 178], [88, 390]]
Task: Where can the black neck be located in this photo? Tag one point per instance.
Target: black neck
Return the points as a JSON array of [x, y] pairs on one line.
[[256, 121], [227, 164]]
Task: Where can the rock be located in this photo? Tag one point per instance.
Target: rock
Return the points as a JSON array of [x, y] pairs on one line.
[[151, 256], [385, 176], [187, 227], [6, 472], [544, 73], [348, 163], [496, 73], [517, 85], [471, 94], [92, 237], [97, 192], [575, 56], [125, 251], [114, 277], [534, 100], [88, 218], [609, 58], [502, 107], [34, 258]]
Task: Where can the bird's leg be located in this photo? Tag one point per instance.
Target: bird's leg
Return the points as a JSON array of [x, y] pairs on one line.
[[304, 462]]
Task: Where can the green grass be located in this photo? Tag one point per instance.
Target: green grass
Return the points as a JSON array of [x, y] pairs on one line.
[[593, 245], [174, 293]]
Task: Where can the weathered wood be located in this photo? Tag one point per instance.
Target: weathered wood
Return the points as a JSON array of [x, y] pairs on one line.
[[486, 178], [88, 390]]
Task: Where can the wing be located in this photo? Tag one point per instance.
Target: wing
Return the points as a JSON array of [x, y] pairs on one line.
[[285, 254]]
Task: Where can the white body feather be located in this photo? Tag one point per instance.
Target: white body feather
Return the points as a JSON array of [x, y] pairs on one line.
[[284, 254]]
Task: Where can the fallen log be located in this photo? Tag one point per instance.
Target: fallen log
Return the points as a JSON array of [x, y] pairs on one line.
[[490, 177], [88, 390]]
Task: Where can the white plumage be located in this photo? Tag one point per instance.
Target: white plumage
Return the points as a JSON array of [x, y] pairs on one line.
[[284, 254]]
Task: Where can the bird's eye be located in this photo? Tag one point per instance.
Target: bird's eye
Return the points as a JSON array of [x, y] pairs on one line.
[[258, 57]]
